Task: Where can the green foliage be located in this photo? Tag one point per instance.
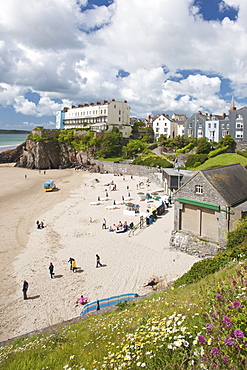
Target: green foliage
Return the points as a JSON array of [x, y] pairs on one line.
[[134, 147], [196, 158], [203, 146], [35, 137], [77, 139], [109, 145], [150, 159], [239, 235], [223, 160], [218, 151], [227, 140], [243, 154], [197, 164], [186, 149]]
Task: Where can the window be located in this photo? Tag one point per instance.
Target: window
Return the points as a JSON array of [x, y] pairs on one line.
[[115, 106], [215, 125], [198, 189], [157, 130], [119, 119], [119, 111], [209, 125]]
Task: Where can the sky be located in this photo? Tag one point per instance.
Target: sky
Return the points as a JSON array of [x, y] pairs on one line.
[[161, 56]]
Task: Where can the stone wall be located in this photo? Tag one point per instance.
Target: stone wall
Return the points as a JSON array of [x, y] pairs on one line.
[[128, 169], [190, 244]]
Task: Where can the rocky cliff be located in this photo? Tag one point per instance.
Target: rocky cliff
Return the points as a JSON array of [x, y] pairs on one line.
[[45, 152]]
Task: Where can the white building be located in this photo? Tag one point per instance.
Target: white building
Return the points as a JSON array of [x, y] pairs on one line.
[[164, 125], [98, 117]]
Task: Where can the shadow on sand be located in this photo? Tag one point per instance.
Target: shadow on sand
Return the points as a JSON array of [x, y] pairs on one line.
[[34, 297]]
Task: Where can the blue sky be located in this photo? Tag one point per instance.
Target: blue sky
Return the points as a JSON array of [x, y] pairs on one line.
[[161, 56]]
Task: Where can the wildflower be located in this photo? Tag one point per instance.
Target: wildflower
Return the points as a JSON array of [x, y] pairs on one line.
[[238, 333], [226, 360], [201, 339], [215, 351], [229, 342], [226, 320], [237, 305], [209, 326], [204, 314], [219, 296], [234, 282]]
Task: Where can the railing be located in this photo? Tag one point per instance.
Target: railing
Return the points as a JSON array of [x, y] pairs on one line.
[[97, 305]]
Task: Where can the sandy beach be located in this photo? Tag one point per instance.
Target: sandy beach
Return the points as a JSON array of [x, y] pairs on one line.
[[26, 251]]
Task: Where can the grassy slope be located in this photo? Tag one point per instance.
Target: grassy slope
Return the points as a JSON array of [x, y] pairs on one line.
[[222, 160]]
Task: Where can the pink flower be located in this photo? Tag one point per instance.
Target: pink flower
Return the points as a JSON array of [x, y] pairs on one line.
[[234, 282], [238, 333], [215, 351], [201, 339], [226, 320]]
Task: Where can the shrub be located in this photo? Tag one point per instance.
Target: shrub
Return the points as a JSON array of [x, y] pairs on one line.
[[218, 151], [150, 159], [196, 158], [186, 149], [237, 236], [243, 154], [197, 164]]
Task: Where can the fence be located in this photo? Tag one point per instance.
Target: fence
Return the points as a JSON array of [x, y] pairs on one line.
[[97, 305]]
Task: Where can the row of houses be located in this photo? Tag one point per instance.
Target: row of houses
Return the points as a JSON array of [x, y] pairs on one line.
[[104, 116]]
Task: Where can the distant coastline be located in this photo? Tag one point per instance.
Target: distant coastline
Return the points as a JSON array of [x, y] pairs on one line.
[[14, 132], [9, 141]]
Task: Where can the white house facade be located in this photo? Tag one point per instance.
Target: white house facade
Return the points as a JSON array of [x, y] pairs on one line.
[[163, 125], [98, 117]]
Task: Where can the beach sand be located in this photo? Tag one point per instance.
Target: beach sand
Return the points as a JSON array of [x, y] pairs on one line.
[[26, 251]]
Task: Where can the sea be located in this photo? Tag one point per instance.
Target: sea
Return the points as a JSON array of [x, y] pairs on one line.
[[11, 141]]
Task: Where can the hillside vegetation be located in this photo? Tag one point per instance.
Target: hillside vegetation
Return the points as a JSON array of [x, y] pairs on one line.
[[222, 160], [199, 323]]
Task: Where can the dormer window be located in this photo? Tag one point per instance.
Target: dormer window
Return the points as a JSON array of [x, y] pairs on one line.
[[199, 189]]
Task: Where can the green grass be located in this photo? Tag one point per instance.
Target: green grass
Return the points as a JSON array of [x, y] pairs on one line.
[[222, 160]]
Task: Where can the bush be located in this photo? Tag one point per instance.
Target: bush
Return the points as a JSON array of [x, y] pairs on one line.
[[218, 151], [197, 164], [237, 236], [196, 158], [243, 154], [186, 149], [150, 159]]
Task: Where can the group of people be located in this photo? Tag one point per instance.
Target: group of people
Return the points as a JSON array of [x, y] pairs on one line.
[[121, 227], [40, 225]]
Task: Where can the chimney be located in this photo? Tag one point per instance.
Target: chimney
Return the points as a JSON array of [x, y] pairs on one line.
[[223, 115], [113, 100]]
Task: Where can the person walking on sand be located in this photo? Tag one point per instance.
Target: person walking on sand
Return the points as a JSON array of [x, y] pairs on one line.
[[104, 224], [73, 264], [70, 261], [24, 289], [98, 261], [51, 269]]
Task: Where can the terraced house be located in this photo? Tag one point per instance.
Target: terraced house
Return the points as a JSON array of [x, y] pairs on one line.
[[98, 117]]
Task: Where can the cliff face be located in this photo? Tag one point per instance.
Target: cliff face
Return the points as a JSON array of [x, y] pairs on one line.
[[46, 153], [51, 154]]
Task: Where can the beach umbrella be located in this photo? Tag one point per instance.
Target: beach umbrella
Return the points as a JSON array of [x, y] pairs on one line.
[[155, 193], [140, 193], [129, 204], [157, 198]]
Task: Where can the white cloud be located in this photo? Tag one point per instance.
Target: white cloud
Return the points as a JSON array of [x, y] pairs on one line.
[[44, 49]]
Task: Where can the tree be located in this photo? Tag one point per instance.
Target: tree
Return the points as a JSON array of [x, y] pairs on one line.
[[203, 146], [109, 145], [227, 140], [134, 147]]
